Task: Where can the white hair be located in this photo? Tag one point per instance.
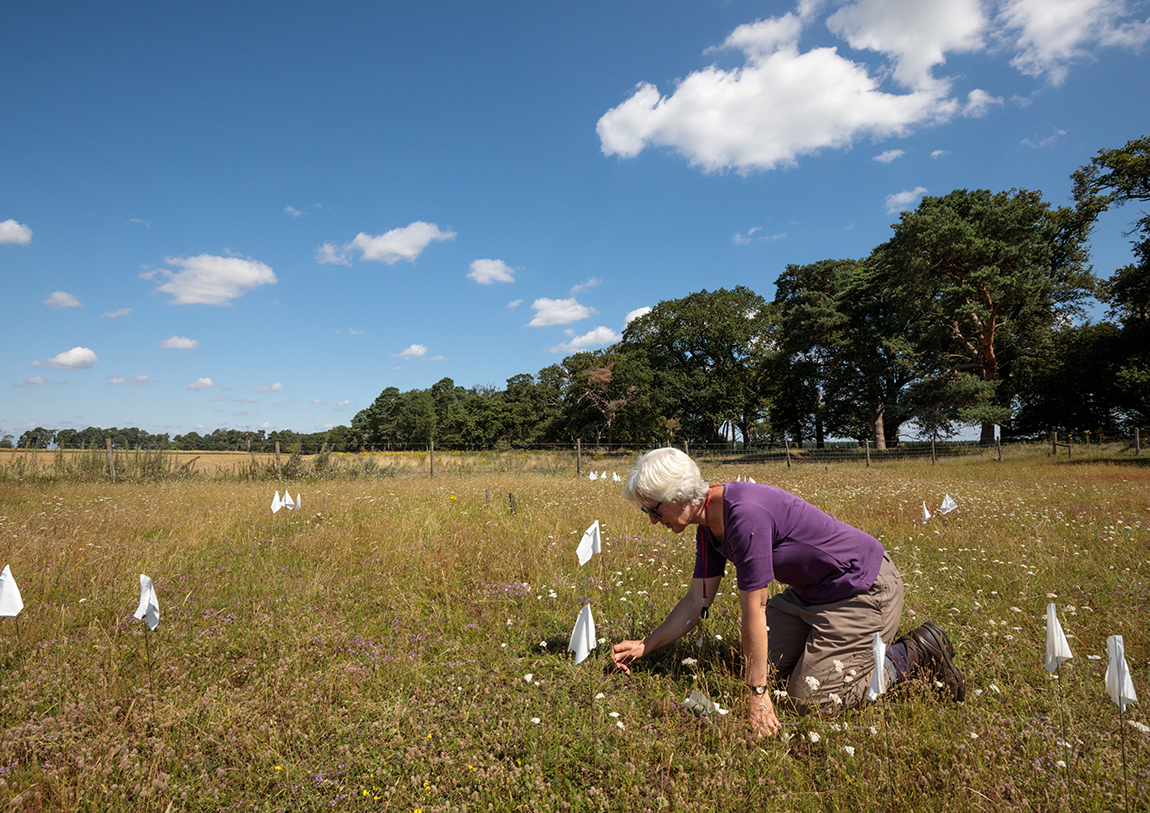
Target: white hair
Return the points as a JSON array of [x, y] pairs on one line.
[[666, 475]]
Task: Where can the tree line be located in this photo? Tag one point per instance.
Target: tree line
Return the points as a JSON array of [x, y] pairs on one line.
[[972, 313]]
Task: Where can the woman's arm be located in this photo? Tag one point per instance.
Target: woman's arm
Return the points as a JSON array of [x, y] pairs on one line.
[[682, 618], [753, 626]]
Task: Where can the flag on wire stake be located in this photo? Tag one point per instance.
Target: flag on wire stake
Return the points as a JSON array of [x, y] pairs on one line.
[[925, 513], [877, 688], [583, 636], [276, 504], [149, 613], [11, 604], [948, 505], [1121, 690], [1058, 653]]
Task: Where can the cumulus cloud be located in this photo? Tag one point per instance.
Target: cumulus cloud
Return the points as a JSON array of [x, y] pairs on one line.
[[635, 314], [276, 387], [599, 337], [34, 381], [514, 303], [212, 280], [1050, 35], [294, 212], [558, 312], [414, 352], [406, 243], [780, 104], [783, 102], [486, 272], [179, 343], [62, 299], [888, 156], [939, 153], [13, 232], [202, 384], [138, 381], [318, 401], [906, 199], [78, 358], [116, 314], [343, 403]]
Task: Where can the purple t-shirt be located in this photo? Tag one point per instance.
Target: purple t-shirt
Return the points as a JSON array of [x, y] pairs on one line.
[[772, 534]]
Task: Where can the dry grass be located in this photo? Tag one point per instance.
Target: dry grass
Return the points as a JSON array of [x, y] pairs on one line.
[[375, 656]]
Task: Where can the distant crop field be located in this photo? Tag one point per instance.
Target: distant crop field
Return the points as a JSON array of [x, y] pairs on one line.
[[400, 644]]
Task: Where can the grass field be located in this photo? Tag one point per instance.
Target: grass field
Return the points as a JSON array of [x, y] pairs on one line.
[[406, 649]]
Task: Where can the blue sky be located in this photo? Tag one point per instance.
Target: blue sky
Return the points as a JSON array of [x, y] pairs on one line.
[[260, 215]]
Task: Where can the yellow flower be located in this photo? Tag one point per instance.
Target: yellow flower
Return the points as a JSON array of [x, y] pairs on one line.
[[279, 767]]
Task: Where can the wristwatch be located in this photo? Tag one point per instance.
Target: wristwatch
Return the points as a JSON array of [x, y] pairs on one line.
[[759, 690]]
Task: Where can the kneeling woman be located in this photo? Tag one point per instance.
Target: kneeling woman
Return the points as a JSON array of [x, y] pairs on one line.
[[842, 589]]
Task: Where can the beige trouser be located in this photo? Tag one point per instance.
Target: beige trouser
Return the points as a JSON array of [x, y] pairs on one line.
[[832, 643]]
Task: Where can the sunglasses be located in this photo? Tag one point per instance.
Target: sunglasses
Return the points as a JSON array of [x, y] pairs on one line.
[[652, 511]]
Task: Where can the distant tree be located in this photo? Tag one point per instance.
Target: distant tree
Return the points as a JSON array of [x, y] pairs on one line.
[[706, 354], [38, 438], [6, 441], [986, 269]]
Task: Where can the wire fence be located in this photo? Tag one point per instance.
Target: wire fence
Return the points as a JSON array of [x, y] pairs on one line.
[[296, 461]]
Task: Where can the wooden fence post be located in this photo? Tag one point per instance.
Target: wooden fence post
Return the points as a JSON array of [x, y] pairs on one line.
[[431, 458], [578, 459], [511, 499], [111, 464], [868, 453], [278, 473], [1054, 443], [787, 445], [998, 443], [1137, 443]]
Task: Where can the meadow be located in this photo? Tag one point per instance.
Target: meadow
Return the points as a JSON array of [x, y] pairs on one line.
[[400, 644]]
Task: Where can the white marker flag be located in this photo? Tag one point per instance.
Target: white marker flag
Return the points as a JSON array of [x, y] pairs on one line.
[[149, 609], [286, 501], [697, 701], [878, 676], [298, 502], [1057, 647], [589, 545], [948, 504], [1118, 683], [583, 636], [925, 513], [276, 504], [10, 601]]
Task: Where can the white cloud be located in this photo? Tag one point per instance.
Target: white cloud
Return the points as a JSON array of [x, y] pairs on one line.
[[743, 239], [594, 282], [406, 243], [202, 384], [116, 314], [343, 403], [486, 272], [35, 381], [13, 232], [318, 401], [782, 103], [276, 387], [138, 381], [413, 352], [135, 221], [179, 343], [439, 358], [78, 358], [916, 36], [61, 299], [978, 102], [1042, 143], [514, 303], [635, 314], [901, 201], [558, 312], [888, 156], [939, 153], [1052, 34], [294, 212], [212, 280], [598, 337], [267, 426]]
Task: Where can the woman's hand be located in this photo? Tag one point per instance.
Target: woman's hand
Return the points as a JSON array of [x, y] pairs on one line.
[[626, 651], [761, 715]]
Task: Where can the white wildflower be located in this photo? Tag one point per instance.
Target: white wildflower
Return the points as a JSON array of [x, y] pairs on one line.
[[1145, 729], [850, 749], [838, 701], [814, 737], [536, 720], [689, 661], [600, 696], [619, 724], [838, 666], [995, 689], [528, 677], [779, 694], [812, 683]]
